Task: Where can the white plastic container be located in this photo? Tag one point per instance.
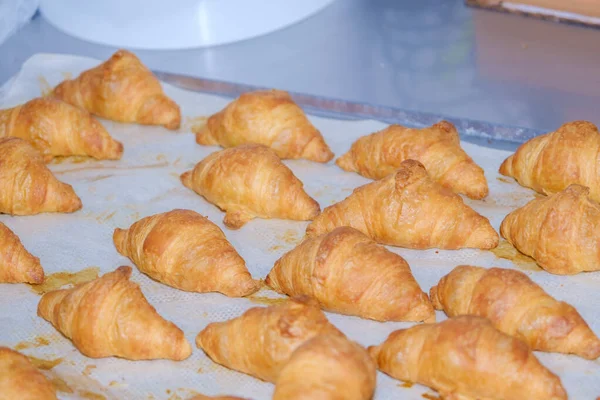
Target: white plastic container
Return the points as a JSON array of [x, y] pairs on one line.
[[174, 24]]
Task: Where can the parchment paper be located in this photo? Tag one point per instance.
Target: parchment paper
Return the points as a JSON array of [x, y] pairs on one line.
[[146, 181]]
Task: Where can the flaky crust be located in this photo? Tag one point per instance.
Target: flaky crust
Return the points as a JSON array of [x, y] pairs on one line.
[[19, 379], [250, 181], [17, 265], [28, 186], [516, 306], [110, 316], [121, 89], [270, 118], [551, 162], [466, 358], [327, 367], [56, 128], [347, 272], [437, 147], [261, 341], [408, 209], [185, 250], [561, 232]]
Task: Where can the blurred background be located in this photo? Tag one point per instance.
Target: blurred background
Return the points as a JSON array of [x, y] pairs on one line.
[[436, 56]]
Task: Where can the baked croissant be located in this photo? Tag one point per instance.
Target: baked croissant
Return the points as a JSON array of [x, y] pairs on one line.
[[408, 209], [56, 128], [437, 147], [17, 265], [110, 316], [185, 250], [551, 162], [121, 89], [466, 358], [516, 306], [561, 232], [19, 379], [28, 186], [347, 272], [270, 118], [261, 341], [327, 367], [250, 181]]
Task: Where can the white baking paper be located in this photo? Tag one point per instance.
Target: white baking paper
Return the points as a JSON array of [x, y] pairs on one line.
[[146, 181]]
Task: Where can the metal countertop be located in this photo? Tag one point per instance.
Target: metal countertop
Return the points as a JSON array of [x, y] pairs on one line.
[[429, 55]]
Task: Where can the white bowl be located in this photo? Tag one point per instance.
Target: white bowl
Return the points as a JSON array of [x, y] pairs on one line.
[[174, 24]]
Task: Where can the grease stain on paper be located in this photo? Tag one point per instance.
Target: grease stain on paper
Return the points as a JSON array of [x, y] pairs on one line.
[[506, 251], [59, 279]]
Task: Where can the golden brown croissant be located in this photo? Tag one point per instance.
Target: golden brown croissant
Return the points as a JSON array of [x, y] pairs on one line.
[[56, 128], [551, 162], [28, 186], [347, 272], [17, 265], [437, 147], [121, 89], [185, 250], [516, 306], [466, 358], [327, 368], [110, 316], [561, 232], [408, 209], [250, 181], [19, 379], [270, 118], [261, 341]]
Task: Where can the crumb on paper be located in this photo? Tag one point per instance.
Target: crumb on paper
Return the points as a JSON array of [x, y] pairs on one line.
[[61, 386], [200, 371], [59, 279], [45, 87], [38, 341], [290, 236], [177, 161], [99, 178], [406, 384], [86, 394], [505, 180], [275, 248], [88, 369], [524, 46], [43, 364], [161, 157], [175, 175], [205, 314]]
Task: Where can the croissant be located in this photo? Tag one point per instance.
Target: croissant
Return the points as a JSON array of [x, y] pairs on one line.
[[516, 306], [408, 209], [19, 379], [266, 117], [185, 250], [56, 128], [437, 147], [327, 367], [561, 232], [347, 272], [551, 162], [110, 316], [121, 89], [466, 358], [17, 265], [28, 186], [261, 340], [250, 181]]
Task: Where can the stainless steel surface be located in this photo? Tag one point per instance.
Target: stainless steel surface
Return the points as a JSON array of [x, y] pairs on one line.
[[436, 57]]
